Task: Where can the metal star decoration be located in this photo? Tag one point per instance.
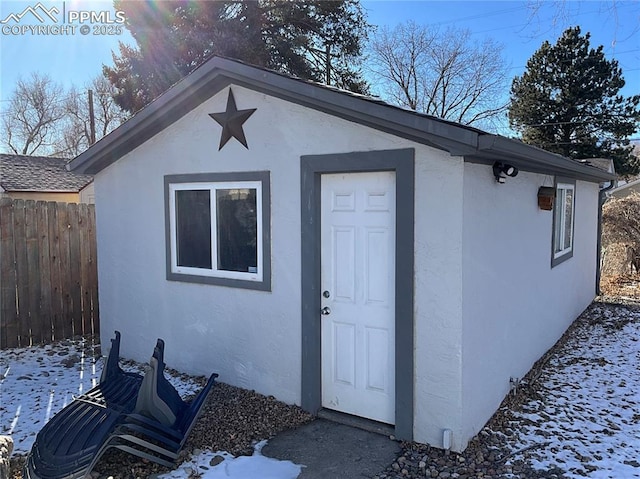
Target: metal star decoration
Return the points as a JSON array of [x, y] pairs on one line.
[[231, 121]]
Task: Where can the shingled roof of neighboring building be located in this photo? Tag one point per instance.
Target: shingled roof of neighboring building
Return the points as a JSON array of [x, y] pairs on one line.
[[604, 164], [39, 173]]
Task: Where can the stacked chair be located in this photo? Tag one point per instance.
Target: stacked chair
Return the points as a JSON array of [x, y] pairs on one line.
[[143, 416]]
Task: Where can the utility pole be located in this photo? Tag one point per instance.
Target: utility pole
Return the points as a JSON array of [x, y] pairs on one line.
[[92, 120], [328, 57]]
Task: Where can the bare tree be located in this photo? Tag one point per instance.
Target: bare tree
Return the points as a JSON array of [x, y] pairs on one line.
[[107, 113], [41, 118], [552, 17], [397, 57], [621, 235], [76, 134], [30, 122], [564, 12], [441, 73], [75, 131]]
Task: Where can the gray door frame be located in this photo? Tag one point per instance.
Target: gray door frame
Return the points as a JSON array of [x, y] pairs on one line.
[[312, 167]]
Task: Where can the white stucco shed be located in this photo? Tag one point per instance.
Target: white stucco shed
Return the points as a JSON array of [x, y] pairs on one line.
[[337, 252]]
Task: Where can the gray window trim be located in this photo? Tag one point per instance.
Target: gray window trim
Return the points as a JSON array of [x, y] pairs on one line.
[[569, 254], [312, 167], [265, 178]]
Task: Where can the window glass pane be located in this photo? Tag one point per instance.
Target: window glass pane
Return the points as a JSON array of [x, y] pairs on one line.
[[193, 228], [558, 211], [568, 218], [237, 233]]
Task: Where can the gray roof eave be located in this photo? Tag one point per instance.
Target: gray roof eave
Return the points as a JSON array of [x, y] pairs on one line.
[[529, 158], [166, 109], [424, 129], [216, 74], [631, 184]]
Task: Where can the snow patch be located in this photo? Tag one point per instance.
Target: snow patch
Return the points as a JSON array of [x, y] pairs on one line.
[[230, 467]]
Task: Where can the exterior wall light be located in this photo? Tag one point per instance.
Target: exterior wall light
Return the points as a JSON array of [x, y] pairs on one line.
[[500, 169]]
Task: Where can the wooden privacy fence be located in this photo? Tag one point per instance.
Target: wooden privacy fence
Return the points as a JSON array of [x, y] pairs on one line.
[[48, 272]]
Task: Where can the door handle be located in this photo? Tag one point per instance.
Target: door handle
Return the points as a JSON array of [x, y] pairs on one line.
[[325, 311]]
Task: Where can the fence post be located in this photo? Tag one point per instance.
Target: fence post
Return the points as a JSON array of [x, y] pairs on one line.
[[34, 333], [74, 268], [44, 257], [22, 274], [93, 271], [57, 318], [8, 306]]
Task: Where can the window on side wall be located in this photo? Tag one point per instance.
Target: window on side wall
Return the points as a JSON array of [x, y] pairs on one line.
[[563, 221], [218, 229]]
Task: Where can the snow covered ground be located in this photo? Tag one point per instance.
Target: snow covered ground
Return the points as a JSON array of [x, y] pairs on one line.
[[37, 382], [582, 414]]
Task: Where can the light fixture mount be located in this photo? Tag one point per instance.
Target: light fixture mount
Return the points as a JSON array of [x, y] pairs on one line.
[[500, 169]]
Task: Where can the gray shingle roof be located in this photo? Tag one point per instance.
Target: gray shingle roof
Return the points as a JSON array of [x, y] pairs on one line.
[[39, 173], [604, 164]]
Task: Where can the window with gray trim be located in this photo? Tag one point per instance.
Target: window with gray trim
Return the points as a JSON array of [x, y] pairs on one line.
[[217, 228], [563, 221]]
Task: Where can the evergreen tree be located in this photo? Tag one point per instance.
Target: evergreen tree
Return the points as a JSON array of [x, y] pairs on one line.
[[174, 37], [568, 102]]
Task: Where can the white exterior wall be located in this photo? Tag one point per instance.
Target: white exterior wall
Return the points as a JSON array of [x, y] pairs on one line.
[[483, 307], [438, 299], [252, 338], [515, 305]]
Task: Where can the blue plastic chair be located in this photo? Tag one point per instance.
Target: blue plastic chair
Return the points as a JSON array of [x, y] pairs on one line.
[[66, 445], [143, 416], [160, 425]]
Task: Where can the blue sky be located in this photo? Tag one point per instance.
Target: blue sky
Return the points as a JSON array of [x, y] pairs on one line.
[[76, 58]]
